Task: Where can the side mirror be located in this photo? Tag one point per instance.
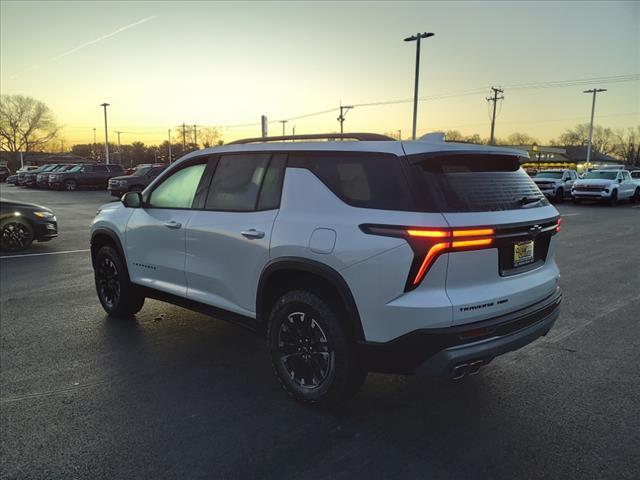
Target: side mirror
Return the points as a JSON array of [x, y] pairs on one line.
[[132, 200], [619, 180]]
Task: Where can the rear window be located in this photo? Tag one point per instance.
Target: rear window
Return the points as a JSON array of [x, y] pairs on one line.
[[549, 175], [474, 183], [360, 179], [602, 174]]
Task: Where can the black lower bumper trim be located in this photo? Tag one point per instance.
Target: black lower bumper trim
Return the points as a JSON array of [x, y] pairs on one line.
[[437, 351]]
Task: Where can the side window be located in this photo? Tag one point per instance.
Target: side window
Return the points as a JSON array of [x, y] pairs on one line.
[[100, 168], [88, 169], [236, 182], [272, 185], [367, 180], [178, 190]]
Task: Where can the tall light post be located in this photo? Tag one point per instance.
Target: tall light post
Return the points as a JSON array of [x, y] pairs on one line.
[[106, 133], [283, 122], [417, 37], [169, 146], [595, 91]]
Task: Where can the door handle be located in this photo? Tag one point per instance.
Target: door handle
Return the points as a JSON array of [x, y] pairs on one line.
[[252, 233], [173, 224]]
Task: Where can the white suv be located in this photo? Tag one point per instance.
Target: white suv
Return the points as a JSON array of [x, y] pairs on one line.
[[349, 256], [607, 185]]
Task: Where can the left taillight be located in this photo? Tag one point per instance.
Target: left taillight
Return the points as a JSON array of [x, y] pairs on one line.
[[428, 244]]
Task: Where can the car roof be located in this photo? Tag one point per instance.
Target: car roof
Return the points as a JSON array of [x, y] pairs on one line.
[[395, 147]]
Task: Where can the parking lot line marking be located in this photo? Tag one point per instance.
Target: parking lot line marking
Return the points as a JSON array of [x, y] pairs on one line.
[[41, 254], [569, 214]]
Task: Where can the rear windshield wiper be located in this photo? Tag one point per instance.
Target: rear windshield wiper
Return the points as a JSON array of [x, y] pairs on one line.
[[528, 200]]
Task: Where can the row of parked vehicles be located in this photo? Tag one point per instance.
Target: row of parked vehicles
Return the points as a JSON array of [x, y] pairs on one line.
[[85, 175], [608, 184]]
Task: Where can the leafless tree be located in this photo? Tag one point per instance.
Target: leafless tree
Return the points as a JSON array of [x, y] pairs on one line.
[[26, 124], [627, 145], [518, 138], [603, 138], [209, 137]]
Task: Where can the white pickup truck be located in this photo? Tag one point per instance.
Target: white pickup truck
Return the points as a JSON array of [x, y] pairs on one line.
[[556, 184], [607, 185]]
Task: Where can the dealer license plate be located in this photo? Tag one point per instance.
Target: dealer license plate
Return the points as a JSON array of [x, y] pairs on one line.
[[522, 253]]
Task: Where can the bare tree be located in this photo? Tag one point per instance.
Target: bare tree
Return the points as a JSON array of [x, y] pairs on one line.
[[209, 136], [518, 138], [26, 124], [603, 138], [627, 145]]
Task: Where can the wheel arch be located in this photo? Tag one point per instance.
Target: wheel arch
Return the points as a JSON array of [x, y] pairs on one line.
[[287, 273], [103, 236]]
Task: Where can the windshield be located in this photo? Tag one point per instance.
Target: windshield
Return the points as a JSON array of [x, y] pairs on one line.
[[141, 172], [549, 175], [600, 174]]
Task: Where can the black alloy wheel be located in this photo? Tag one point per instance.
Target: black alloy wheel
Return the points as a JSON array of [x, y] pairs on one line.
[[17, 235], [108, 282], [305, 353]]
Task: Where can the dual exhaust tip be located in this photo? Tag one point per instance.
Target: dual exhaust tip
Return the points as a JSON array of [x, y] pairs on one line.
[[463, 369]]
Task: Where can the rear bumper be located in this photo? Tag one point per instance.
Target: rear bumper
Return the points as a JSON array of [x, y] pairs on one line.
[[437, 352]]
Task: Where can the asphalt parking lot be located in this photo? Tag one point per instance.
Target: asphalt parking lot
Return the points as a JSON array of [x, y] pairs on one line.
[[176, 394]]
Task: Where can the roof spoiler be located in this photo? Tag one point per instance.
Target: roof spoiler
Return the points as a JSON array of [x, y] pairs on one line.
[[363, 137]]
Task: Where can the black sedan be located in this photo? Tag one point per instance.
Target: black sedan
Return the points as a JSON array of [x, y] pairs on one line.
[[22, 223]]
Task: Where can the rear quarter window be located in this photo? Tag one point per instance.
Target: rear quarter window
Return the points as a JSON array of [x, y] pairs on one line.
[[360, 179]]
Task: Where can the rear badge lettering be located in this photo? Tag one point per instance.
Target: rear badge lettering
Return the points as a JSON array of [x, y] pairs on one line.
[[477, 307]]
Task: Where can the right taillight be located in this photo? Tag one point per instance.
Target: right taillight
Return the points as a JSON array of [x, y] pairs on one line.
[[428, 244]]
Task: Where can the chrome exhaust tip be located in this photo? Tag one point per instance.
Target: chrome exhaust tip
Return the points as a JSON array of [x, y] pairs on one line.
[[459, 371], [474, 367]]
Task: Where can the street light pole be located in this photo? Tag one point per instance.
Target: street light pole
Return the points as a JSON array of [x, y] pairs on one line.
[[169, 146], [595, 91], [106, 133], [283, 123], [417, 37]]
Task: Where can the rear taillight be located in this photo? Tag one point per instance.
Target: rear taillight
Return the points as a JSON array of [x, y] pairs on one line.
[[428, 244], [558, 224]]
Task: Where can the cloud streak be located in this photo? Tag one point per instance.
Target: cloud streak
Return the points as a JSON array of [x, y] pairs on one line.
[[87, 44]]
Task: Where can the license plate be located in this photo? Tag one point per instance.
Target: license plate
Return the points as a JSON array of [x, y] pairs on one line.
[[522, 253]]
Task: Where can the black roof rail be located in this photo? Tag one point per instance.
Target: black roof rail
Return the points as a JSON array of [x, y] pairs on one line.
[[363, 137]]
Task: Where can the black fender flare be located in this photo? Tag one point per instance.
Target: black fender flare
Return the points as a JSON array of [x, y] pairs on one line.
[[116, 240], [317, 268]]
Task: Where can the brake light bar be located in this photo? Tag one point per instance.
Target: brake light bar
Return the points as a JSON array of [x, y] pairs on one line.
[[429, 243]]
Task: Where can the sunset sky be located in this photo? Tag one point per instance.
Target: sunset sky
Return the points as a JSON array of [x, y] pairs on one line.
[[217, 64]]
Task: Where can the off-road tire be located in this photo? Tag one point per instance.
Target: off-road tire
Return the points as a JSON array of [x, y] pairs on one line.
[[344, 374], [111, 275]]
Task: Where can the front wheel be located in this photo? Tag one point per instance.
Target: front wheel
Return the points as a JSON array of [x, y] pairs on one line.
[[17, 235], [70, 185], [118, 296], [312, 355], [560, 195], [614, 198]]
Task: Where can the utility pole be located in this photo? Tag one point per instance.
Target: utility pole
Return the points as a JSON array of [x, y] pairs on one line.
[[594, 91], [293, 132], [93, 149], [184, 138], [283, 122], [343, 112], [494, 99], [169, 146], [61, 146], [119, 148], [106, 133], [399, 134], [195, 136], [417, 37]]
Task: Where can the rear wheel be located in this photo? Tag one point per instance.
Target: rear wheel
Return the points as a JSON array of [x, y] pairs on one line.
[[312, 355], [118, 296], [17, 235], [70, 185], [636, 196], [560, 195]]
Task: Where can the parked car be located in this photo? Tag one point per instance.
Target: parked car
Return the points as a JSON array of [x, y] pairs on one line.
[[85, 175], [22, 173], [368, 255], [12, 179], [42, 179], [31, 178], [4, 173], [610, 185], [136, 182], [556, 184], [635, 176], [22, 223], [131, 170]]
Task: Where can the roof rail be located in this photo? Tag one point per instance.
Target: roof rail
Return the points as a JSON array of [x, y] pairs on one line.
[[363, 137]]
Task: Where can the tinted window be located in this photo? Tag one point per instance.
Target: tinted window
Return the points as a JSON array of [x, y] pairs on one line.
[[549, 175], [114, 168], [635, 174], [367, 180], [178, 190], [602, 174], [100, 168], [236, 182], [476, 183], [272, 185]]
